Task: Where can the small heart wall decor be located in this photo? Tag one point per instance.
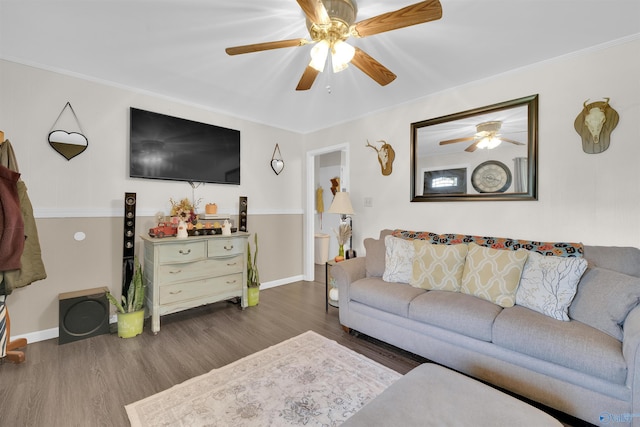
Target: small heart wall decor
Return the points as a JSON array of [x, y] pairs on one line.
[[68, 144], [277, 164]]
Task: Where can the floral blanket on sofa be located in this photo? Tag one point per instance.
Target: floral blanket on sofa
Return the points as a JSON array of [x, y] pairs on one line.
[[564, 249]]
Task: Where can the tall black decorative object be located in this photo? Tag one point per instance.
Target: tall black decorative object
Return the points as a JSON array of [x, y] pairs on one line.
[[242, 214], [128, 247]]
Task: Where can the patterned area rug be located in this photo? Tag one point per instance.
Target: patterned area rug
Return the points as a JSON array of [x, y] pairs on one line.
[[307, 380]]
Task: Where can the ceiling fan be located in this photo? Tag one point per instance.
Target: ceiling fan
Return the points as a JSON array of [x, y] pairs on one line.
[[486, 136], [332, 22]]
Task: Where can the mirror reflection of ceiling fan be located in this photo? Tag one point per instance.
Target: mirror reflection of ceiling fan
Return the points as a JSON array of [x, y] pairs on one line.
[[332, 22], [487, 136]]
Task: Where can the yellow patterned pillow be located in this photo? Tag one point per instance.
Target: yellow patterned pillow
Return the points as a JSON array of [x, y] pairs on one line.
[[438, 266], [493, 274]]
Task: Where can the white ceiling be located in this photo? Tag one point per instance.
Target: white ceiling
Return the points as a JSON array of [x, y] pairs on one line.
[[175, 48]]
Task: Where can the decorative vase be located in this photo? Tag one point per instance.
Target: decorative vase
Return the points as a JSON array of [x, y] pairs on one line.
[[253, 296], [341, 251], [182, 230], [130, 324]]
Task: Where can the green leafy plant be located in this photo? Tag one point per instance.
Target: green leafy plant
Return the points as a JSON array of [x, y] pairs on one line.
[[134, 300], [253, 276]]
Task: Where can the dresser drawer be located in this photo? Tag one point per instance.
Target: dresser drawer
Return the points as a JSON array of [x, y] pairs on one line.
[[226, 246], [182, 252], [183, 272], [225, 286]]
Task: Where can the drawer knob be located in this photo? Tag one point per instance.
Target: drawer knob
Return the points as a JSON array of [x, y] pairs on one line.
[[229, 264], [231, 281], [228, 247], [175, 271], [175, 292], [187, 252]]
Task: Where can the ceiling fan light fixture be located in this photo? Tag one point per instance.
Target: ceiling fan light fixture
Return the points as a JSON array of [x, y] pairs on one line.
[[489, 142], [319, 55], [341, 54]]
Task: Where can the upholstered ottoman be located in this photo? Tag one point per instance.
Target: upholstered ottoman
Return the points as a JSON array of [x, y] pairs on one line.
[[431, 395]]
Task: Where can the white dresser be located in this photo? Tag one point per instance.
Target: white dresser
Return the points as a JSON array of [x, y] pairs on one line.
[[186, 273]]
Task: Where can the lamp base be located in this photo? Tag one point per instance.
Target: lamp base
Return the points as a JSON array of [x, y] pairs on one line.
[[350, 253]]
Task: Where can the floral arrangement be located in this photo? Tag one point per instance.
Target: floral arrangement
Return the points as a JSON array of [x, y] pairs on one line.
[[343, 233], [184, 209]]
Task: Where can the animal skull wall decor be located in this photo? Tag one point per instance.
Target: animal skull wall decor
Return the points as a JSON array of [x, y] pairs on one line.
[[594, 124], [386, 156]]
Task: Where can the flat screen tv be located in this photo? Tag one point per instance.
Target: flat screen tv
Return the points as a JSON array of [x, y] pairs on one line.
[[171, 148]]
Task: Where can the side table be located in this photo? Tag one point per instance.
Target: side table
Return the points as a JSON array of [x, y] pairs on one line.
[[327, 279]]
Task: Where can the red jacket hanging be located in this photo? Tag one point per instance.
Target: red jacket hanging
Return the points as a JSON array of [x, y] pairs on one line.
[[11, 222]]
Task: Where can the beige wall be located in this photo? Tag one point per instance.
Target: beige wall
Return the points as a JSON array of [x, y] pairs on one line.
[[592, 198], [96, 261], [86, 193]]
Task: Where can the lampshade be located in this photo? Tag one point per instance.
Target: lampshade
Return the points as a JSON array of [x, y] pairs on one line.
[[341, 204], [341, 54], [319, 55]]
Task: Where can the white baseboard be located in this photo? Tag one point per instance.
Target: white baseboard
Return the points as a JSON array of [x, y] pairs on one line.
[[55, 333]]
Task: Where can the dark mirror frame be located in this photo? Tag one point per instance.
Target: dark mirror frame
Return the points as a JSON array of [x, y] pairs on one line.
[[531, 193]]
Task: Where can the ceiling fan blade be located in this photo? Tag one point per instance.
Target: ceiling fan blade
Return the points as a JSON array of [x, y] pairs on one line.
[[315, 11], [372, 68], [453, 141], [307, 79], [257, 47], [511, 141], [418, 13], [473, 147]]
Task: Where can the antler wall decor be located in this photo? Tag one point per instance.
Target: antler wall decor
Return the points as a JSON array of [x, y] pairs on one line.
[[594, 124], [386, 156]]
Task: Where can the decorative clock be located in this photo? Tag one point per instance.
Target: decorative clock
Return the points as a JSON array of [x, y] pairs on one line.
[[491, 177]]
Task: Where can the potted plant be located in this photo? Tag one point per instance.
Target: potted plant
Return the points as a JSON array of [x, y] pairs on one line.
[[253, 276], [131, 308]]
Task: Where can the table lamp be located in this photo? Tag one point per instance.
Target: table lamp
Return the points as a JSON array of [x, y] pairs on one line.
[[342, 205]]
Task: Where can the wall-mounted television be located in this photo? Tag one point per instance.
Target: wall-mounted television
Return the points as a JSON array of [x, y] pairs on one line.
[[171, 148]]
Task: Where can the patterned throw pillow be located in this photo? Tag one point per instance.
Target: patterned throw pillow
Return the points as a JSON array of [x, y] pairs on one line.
[[549, 283], [438, 266], [398, 260], [493, 274]]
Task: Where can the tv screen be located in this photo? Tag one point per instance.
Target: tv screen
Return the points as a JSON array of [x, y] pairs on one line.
[[165, 147]]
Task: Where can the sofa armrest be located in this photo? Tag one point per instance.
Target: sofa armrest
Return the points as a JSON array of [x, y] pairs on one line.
[[631, 352], [345, 273]]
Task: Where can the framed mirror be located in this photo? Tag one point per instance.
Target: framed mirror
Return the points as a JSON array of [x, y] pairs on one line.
[[488, 153]]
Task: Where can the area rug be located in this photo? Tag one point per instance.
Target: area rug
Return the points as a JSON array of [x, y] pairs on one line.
[[307, 380]]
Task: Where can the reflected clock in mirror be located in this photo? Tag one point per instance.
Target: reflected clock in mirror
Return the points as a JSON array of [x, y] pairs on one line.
[[488, 153]]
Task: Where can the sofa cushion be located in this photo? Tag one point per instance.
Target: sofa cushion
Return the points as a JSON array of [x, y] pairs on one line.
[[570, 344], [457, 312], [493, 274], [386, 296], [438, 266], [375, 253], [604, 299], [545, 248], [398, 260], [549, 283]]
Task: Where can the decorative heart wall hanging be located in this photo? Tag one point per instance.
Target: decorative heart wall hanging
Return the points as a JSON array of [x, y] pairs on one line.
[[68, 144], [277, 164]]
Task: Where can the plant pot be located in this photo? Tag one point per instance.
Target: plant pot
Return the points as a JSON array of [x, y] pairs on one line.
[[253, 296], [130, 324]]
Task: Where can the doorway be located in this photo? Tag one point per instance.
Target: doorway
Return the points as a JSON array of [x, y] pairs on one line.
[[322, 165]]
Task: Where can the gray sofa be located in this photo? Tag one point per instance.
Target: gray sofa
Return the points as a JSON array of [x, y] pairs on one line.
[[585, 367]]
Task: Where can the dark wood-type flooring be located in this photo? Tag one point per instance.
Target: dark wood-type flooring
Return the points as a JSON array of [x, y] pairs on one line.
[[87, 383]]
